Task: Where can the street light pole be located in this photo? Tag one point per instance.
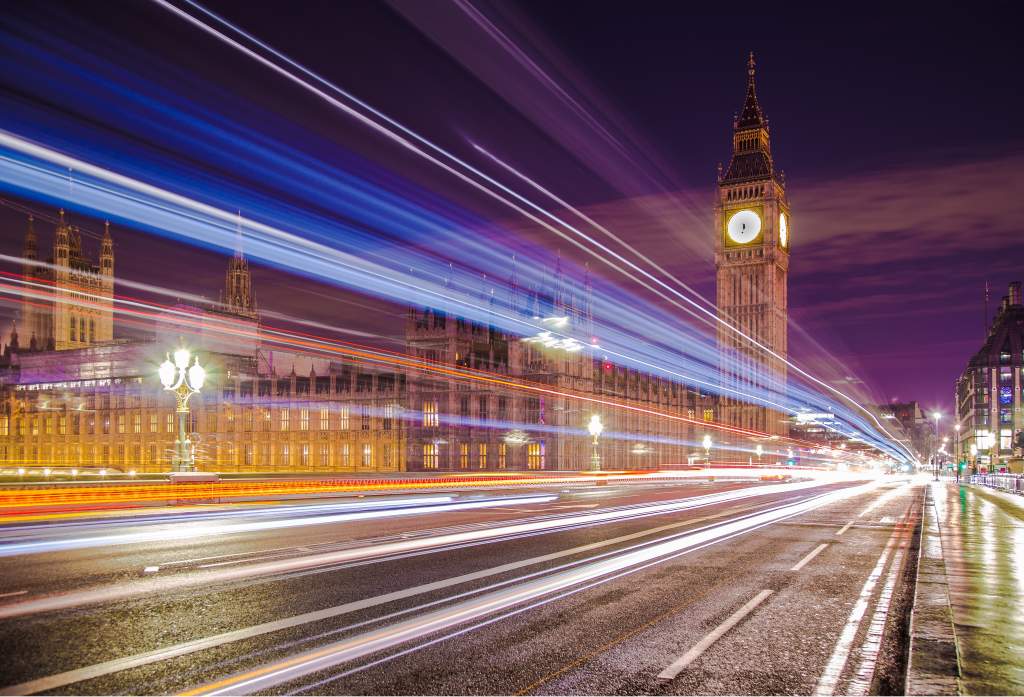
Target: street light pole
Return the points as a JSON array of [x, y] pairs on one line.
[[706, 442], [595, 428], [184, 381], [935, 462]]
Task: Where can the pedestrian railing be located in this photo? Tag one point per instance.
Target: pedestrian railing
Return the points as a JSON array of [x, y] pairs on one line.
[[1006, 482]]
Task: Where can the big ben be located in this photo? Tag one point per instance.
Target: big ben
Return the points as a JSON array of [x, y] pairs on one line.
[[752, 241]]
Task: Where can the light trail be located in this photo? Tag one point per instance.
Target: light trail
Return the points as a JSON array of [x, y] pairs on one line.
[[391, 636], [346, 512], [404, 141], [698, 365], [250, 572]]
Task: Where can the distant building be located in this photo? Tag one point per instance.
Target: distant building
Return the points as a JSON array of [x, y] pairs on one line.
[[78, 398], [59, 322], [915, 423], [460, 424], [93, 401], [988, 392]]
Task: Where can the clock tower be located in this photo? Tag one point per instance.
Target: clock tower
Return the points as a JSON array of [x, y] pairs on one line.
[[752, 240]]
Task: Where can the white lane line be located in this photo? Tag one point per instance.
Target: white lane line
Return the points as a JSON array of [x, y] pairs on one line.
[[844, 528], [693, 654], [13, 593], [872, 645], [885, 498], [58, 680], [151, 569], [806, 560], [841, 653]]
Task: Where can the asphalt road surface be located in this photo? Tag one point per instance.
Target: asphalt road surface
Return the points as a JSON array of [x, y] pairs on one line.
[[698, 588]]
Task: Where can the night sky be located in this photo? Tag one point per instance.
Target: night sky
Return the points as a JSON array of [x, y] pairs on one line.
[[897, 129]]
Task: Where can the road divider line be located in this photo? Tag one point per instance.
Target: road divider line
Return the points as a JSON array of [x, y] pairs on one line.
[[12, 594], [681, 663], [841, 653], [806, 560], [872, 645], [844, 528]]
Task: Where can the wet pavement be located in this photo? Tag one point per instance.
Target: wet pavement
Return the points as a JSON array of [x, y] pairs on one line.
[[982, 534]]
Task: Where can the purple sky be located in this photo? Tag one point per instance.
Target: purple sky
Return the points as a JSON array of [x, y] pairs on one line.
[[896, 132]]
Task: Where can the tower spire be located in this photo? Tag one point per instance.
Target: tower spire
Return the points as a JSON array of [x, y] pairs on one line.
[[751, 115]]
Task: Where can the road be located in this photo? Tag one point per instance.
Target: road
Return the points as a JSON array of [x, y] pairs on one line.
[[737, 587]]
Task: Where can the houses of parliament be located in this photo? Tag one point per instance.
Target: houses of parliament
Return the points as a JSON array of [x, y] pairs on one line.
[[75, 394]]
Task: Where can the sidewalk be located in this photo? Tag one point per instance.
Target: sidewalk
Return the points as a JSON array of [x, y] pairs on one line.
[[982, 544]]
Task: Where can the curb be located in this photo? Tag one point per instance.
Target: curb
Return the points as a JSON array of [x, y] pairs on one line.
[[933, 666]]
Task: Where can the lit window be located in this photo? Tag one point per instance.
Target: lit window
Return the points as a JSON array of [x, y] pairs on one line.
[[137, 423], [346, 456], [284, 419], [62, 425], [303, 419], [430, 417], [501, 455], [430, 456], [153, 422], [325, 421], [464, 455], [343, 418], [535, 456], [304, 456], [367, 455], [482, 455], [120, 423], [325, 455], [170, 422], [709, 414]]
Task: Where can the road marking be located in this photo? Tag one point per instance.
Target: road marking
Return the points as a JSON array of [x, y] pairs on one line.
[[803, 562], [844, 528], [117, 665], [578, 505], [693, 654], [151, 569], [607, 646], [872, 645], [841, 653], [12, 593]]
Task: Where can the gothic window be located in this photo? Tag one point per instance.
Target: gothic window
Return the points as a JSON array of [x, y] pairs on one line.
[[430, 456], [81, 329], [72, 328], [92, 330]]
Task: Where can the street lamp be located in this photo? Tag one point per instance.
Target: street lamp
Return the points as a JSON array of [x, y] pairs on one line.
[[595, 428], [760, 452], [184, 381], [706, 442], [935, 463]]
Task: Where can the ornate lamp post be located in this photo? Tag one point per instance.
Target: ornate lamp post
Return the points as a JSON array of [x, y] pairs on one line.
[[760, 451], [595, 428], [184, 381], [936, 415], [706, 442]]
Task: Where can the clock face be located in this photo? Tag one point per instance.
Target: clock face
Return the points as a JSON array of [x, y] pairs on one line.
[[783, 231], [744, 227]]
